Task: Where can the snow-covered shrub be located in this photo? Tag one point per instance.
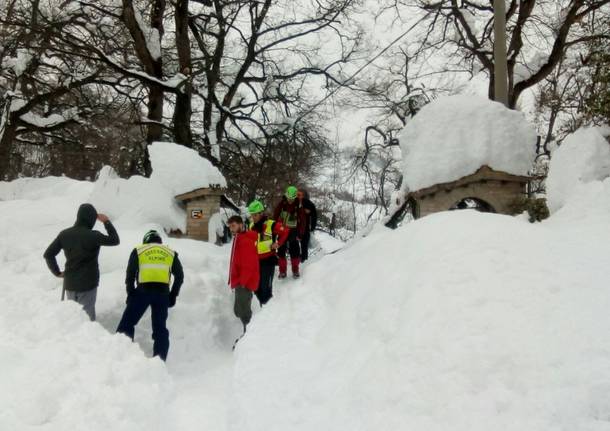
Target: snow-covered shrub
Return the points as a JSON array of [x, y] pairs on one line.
[[536, 208]]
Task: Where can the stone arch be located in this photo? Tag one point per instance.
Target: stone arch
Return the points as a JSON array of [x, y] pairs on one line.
[[498, 194], [473, 203]]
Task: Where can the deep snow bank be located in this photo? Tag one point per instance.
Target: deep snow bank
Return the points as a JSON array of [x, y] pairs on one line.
[[454, 136], [136, 201], [181, 169], [459, 321], [582, 158], [139, 200], [61, 372], [41, 188]]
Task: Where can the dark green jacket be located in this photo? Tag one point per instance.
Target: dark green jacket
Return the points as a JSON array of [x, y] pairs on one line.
[[81, 245]]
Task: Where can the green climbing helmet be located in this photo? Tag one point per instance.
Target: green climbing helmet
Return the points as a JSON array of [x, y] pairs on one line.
[[291, 192], [256, 207], [151, 236]]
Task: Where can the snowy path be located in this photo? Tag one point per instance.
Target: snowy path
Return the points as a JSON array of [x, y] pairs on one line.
[[202, 329], [201, 389]]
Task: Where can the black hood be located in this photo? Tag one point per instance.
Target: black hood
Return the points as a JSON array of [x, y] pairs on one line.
[[86, 216]]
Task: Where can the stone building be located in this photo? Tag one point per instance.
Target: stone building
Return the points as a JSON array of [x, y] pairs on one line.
[[486, 190], [201, 204], [464, 152]]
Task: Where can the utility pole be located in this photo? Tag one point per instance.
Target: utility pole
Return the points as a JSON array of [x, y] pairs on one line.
[[500, 55]]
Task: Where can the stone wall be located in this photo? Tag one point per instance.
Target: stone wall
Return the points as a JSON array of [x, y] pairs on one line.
[[198, 228], [499, 194]]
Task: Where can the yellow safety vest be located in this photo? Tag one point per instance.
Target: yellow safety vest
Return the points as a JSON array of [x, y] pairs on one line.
[[155, 263], [265, 238]]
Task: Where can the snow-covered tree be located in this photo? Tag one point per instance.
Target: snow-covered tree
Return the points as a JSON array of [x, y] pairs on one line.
[[540, 33], [212, 75]]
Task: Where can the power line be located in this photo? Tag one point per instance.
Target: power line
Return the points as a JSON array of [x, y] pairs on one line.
[[357, 72]]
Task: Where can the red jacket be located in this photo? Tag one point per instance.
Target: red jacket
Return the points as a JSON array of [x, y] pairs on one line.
[[244, 267]]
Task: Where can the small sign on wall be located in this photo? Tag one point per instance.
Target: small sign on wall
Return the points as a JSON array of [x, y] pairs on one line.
[[197, 214]]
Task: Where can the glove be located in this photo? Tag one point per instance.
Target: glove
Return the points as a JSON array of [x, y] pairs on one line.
[[172, 299]]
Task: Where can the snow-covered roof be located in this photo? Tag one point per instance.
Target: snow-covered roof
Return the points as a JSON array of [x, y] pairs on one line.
[[182, 169], [454, 136]]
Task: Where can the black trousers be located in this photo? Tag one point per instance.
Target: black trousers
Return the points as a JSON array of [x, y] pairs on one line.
[[138, 303], [265, 285], [305, 246]]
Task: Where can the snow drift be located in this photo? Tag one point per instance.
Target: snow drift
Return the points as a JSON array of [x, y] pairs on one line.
[[459, 321], [582, 158], [62, 372], [181, 169], [137, 201], [453, 137], [140, 200]]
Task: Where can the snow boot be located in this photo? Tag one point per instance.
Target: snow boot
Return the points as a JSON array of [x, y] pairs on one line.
[[239, 338], [237, 341], [283, 264], [295, 267]]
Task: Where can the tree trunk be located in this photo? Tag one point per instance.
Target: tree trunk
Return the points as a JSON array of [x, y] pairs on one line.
[[500, 57], [182, 118], [152, 63], [155, 117], [155, 114], [183, 109], [6, 147]]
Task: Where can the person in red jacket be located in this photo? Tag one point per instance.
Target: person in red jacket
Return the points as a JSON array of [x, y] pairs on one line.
[[244, 269], [291, 213]]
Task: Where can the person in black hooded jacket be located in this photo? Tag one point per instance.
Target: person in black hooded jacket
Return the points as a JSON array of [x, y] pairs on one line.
[[81, 245], [311, 222]]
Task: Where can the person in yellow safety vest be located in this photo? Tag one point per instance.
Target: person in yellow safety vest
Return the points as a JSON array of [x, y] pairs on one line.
[[271, 236], [149, 274]]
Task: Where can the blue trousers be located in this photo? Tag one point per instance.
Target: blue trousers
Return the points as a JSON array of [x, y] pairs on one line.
[[138, 303]]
